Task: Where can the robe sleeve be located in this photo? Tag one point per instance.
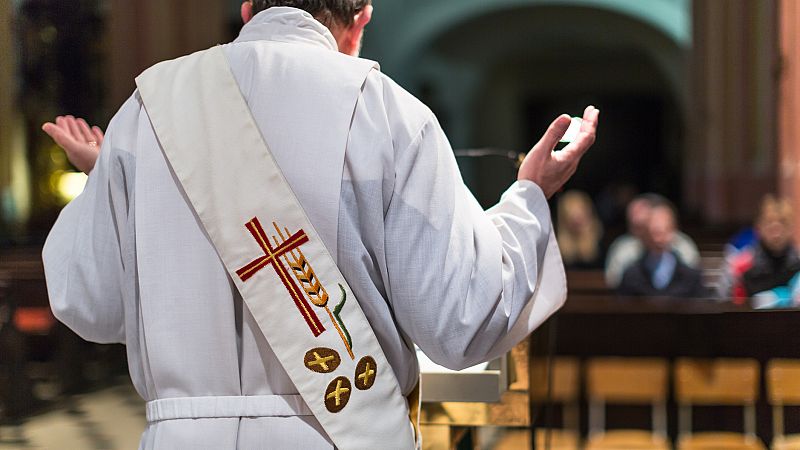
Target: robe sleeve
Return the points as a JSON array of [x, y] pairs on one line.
[[83, 255], [465, 284]]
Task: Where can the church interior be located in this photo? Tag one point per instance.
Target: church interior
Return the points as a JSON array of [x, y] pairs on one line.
[[699, 101]]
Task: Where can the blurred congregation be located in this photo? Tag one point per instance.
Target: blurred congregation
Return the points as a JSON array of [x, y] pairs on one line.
[[654, 257], [679, 232]]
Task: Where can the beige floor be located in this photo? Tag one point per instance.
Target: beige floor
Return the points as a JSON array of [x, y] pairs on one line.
[[112, 418]]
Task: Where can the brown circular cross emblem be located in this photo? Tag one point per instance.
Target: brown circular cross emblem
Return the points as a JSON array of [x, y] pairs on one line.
[[366, 370], [338, 394], [322, 360]]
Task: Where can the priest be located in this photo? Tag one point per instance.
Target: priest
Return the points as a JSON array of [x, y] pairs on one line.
[[264, 216]]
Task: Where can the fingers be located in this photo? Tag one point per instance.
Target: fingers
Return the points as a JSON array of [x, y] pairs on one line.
[[50, 128], [98, 135], [74, 128], [554, 133], [59, 135], [588, 131], [61, 122], [86, 132], [590, 118], [586, 137]]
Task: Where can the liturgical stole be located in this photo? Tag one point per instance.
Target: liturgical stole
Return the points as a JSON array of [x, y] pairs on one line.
[[279, 264]]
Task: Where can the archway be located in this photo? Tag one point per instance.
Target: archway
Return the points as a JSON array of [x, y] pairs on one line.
[[497, 72]]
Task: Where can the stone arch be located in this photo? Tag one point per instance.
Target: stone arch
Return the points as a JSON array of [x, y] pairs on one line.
[[407, 27], [460, 51]]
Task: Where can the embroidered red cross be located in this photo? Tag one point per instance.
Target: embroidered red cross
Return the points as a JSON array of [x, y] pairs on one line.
[[272, 256]]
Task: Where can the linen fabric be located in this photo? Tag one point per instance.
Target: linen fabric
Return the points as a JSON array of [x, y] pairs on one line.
[[231, 180]]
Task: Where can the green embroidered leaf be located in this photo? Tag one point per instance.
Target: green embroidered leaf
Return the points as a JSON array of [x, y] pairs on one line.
[[337, 310]]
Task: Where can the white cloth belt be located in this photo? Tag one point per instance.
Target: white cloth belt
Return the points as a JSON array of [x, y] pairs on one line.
[[226, 406]]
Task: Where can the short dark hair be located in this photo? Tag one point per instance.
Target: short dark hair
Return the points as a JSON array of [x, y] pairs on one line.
[[659, 201], [329, 12]]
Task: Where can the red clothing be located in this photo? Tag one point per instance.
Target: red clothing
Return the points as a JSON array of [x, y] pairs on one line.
[[740, 264]]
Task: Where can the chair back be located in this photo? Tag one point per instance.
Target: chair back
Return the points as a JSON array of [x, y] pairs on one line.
[[783, 388], [559, 382], [722, 381], [627, 380], [783, 382]]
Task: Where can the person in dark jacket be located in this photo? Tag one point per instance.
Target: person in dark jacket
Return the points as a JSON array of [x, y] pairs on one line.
[[659, 272], [772, 262]]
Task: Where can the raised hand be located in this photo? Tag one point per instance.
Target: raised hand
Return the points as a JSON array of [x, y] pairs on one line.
[[80, 142], [550, 169]]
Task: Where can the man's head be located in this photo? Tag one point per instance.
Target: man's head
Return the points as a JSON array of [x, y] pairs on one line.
[[774, 225], [638, 214], [660, 230], [345, 19]]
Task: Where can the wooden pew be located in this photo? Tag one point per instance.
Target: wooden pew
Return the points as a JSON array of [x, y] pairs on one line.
[[22, 272], [670, 328], [587, 282]]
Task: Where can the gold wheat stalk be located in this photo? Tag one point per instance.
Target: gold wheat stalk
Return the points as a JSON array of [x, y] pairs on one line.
[[304, 273]]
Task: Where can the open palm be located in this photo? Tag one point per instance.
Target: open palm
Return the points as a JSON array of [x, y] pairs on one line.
[[551, 169], [80, 142]]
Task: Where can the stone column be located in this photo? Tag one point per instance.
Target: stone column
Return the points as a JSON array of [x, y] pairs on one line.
[[6, 92], [789, 106], [731, 160], [15, 187]]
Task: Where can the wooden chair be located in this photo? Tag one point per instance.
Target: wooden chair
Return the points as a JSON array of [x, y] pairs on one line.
[[627, 381], [783, 389], [717, 382], [559, 383]]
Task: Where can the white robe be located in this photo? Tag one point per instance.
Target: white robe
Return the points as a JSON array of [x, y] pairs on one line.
[[127, 261]]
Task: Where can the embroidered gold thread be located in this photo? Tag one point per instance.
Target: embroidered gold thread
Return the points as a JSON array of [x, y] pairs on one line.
[[337, 314], [364, 377], [305, 274], [316, 292], [281, 271], [337, 394], [366, 373], [272, 257], [269, 258], [322, 361], [284, 275]]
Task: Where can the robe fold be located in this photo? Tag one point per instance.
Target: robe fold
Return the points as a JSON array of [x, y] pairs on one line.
[[127, 261]]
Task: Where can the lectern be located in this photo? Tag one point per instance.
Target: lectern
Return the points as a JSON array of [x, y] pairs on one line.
[[487, 403]]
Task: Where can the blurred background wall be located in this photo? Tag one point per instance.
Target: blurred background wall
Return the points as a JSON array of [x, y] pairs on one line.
[[689, 90]]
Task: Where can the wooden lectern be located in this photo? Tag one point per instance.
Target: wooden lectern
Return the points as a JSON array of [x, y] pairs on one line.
[[480, 403]]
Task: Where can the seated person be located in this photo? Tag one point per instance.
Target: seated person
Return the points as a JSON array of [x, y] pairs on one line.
[[579, 231], [659, 272], [744, 240], [628, 248], [773, 261]]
